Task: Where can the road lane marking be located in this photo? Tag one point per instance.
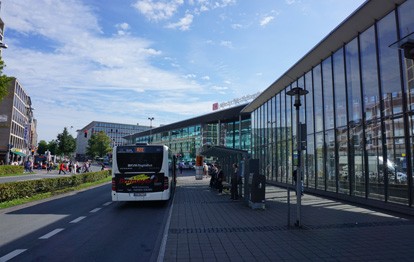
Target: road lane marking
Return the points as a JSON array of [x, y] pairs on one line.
[[161, 253], [95, 210], [52, 233], [107, 203], [12, 255], [77, 220]]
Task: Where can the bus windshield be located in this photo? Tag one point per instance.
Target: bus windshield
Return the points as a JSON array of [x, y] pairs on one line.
[[139, 159]]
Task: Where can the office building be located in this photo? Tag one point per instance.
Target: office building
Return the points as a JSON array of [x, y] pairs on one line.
[[116, 132], [18, 134]]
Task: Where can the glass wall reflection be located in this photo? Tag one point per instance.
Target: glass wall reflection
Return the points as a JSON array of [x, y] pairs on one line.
[[359, 116]]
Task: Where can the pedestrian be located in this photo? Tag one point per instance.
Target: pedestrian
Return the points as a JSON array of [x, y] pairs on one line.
[[27, 166], [180, 167], [86, 166], [220, 178], [75, 166], [78, 167], [213, 174], [102, 166], [62, 168], [234, 182], [205, 170]]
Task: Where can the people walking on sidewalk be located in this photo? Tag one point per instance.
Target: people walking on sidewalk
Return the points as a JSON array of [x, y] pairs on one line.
[[205, 170], [234, 182], [213, 179], [220, 177], [86, 167], [62, 168]]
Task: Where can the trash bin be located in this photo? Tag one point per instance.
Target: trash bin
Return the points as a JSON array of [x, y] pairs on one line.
[[199, 172], [257, 186]]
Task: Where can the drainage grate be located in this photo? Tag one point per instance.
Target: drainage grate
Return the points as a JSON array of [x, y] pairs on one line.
[[361, 225], [226, 229], [216, 230], [198, 202]]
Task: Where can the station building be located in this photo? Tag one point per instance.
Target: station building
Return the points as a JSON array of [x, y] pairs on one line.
[[358, 112], [227, 128]]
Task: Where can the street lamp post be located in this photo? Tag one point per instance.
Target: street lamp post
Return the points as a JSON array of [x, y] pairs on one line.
[[297, 92], [150, 119]]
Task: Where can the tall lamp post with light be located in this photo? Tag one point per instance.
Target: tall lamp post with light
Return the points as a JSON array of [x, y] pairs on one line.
[[297, 92], [150, 119]]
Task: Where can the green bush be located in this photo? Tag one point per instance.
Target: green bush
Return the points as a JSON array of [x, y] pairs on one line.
[[11, 170], [28, 188]]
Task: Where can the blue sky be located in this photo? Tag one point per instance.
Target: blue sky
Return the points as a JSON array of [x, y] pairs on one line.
[[124, 61]]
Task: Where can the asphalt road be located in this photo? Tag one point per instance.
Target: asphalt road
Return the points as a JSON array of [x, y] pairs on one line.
[[83, 226]]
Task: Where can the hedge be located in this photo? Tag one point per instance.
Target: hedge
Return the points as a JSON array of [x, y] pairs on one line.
[[28, 188], [11, 170]]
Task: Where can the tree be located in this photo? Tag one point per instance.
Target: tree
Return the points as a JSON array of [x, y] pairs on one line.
[[98, 145], [52, 146], [66, 144], [4, 81], [41, 149]]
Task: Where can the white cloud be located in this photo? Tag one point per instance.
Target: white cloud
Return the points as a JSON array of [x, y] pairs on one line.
[[78, 68], [236, 26], [123, 29], [266, 20], [165, 10], [205, 78], [183, 24], [226, 44], [190, 76], [158, 10], [220, 88]]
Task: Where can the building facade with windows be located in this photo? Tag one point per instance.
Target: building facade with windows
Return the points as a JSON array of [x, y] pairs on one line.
[[227, 127], [115, 131], [358, 113], [18, 134]]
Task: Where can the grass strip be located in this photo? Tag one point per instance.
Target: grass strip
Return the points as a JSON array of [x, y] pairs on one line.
[[41, 196]]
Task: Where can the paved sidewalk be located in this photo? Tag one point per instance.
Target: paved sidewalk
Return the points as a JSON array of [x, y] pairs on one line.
[[206, 226]]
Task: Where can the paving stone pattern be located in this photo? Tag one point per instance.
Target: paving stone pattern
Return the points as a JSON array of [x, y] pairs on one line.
[[206, 226]]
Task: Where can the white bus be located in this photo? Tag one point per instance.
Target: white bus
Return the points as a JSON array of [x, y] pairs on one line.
[[142, 173]]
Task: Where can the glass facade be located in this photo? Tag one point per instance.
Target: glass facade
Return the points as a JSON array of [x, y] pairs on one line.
[[359, 116], [187, 140]]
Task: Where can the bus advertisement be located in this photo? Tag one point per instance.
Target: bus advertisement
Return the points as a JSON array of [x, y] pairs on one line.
[[142, 173]]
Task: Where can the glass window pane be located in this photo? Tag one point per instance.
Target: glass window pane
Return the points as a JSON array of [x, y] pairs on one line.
[[341, 121], [330, 160], [310, 162], [328, 94], [320, 161], [317, 90], [369, 75], [405, 15], [392, 97], [355, 157]]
